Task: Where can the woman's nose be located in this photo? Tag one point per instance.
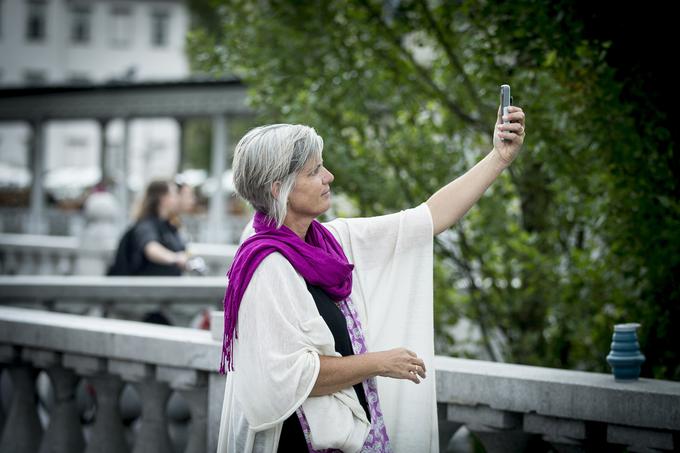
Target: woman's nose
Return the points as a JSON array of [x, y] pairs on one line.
[[330, 177]]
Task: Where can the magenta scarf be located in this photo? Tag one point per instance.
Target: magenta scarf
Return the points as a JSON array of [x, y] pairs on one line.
[[319, 259]]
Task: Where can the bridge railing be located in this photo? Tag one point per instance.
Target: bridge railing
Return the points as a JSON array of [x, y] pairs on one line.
[[507, 407], [25, 254]]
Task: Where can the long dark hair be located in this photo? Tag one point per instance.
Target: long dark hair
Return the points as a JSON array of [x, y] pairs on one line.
[[149, 207]]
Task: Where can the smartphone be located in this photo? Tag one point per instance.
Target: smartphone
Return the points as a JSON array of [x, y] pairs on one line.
[[506, 101]]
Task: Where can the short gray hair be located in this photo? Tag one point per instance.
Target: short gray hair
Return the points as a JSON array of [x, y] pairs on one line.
[[275, 152]]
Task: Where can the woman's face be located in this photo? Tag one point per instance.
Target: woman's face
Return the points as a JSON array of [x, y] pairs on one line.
[[311, 195], [187, 199], [169, 201]]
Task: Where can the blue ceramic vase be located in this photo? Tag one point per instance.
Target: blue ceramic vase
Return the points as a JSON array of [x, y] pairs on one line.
[[625, 357]]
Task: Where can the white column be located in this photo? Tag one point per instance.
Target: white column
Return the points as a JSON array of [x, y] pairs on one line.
[[37, 223], [217, 228], [123, 191]]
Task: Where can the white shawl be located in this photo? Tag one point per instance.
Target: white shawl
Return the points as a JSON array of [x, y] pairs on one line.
[[281, 335]]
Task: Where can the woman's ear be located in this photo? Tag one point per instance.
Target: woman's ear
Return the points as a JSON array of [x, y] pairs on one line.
[[276, 187]]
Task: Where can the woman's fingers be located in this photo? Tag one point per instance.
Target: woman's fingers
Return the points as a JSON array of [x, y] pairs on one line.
[[509, 135], [420, 371], [417, 369], [412, 376], [512, 127], [406, 365], [514, 114], [421, 364]]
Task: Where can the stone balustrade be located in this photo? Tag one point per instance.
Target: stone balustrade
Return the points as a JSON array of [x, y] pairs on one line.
[[157, 361], [121, 289], [518, 408], [24, 254], [507, 407], [56, 221], [180, 299]]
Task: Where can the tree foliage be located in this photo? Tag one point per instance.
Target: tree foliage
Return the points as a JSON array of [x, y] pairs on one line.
[[580, 233]]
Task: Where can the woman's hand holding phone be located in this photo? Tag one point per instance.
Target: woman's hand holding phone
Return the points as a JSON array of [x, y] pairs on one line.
[[509, 132]]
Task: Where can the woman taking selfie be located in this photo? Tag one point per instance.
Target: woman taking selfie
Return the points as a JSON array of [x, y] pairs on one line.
[[328, 335]]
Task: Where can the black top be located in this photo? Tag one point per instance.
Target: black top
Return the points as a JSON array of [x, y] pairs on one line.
[[292, 437], [156, 229]]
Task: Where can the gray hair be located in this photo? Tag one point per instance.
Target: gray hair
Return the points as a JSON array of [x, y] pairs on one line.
[[275, 152]]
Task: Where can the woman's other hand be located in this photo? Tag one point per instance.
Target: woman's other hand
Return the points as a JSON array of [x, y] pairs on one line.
[[400, 363], [158, 253], [181, 259], [513, 132]]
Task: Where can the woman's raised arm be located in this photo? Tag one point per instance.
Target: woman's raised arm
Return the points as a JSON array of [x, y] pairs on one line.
[[452, 201]]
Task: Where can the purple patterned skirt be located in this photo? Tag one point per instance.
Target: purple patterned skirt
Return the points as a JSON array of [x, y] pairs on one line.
[[377, 440]]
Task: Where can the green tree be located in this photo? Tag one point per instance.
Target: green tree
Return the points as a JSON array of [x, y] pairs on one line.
[[563, 245]]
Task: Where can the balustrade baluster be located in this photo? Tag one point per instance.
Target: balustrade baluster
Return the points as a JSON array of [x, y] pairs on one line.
[[446, 428], [64, 433], [11, 266], [108, 432], [197, 399], [565, 435], [23, 431], [153, 436], [498, 431], [27, 262]]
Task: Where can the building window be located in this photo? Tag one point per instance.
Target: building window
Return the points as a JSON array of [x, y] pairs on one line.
[[35, 77], [159, 28], [121, 26], [36, 20], [80, 24], [76, 141]]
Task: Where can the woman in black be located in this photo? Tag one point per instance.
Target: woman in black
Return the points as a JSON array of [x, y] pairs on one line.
[[156, 242], [152, 246]]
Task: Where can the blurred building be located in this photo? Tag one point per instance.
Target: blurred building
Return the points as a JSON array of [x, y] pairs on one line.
[[63, 42]]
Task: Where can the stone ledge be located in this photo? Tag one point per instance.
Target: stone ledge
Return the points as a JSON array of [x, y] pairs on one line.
[[92, 337], [643, 439], [121, 289], [567, 394]]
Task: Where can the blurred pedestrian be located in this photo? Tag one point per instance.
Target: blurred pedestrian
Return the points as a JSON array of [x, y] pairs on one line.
[[152, 246]]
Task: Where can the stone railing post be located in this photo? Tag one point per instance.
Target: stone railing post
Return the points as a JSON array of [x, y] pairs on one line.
[[64, 433], [563, 434], [447, 428], [498, 431], [642, 439], [23, 431], [152, 435], [191, 386], [108, 432]]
